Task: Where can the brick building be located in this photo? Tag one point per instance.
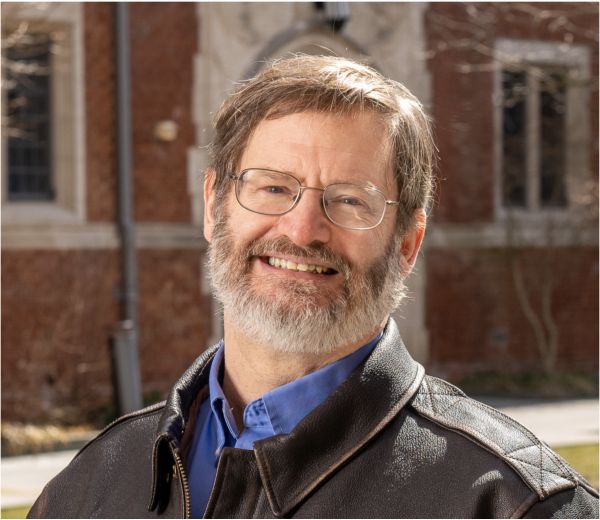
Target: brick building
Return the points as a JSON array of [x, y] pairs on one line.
[[510, 259]]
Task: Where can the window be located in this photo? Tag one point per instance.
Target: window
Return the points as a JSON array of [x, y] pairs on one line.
[[28, 77], [514, 139], [43, 144], [542, 125], [552, 103], [545, 90]]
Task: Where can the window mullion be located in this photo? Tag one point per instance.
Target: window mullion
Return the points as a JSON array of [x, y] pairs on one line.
[[533, 143]]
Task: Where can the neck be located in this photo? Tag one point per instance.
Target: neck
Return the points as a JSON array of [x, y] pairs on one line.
[[253, 369]]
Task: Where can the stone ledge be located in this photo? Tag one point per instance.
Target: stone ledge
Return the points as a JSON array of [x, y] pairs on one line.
[[63, 236], [495, 235], [58, 236]]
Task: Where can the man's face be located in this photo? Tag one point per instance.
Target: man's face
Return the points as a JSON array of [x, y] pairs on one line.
[[300, 310]]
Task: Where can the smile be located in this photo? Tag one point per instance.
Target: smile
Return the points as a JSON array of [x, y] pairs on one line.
[[293, 266]]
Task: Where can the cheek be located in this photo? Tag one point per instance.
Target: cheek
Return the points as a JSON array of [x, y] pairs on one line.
[[380, 236], [250, 226], [361, 248]]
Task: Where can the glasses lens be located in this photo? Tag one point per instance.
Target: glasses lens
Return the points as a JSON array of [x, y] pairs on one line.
[[354, 207], [267, 192]]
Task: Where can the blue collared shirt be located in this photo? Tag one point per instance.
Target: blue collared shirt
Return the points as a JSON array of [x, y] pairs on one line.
[[277, 411]]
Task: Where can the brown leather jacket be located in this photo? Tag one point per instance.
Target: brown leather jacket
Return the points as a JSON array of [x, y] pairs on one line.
[[388, 442]]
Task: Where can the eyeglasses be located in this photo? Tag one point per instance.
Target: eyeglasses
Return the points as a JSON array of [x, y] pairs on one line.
[[268, 192]]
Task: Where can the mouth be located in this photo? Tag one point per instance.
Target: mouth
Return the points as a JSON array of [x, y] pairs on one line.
[[290, 265]]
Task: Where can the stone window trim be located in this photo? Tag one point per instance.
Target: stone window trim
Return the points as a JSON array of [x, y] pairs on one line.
[[68, 118], [511, 53]]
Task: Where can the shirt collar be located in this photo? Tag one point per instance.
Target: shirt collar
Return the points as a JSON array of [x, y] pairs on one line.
[[218, 402], [286, 405]]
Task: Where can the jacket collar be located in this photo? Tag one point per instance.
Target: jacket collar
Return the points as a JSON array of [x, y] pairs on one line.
[[173, 420], [338, 428], [321, 442], [177, 407]]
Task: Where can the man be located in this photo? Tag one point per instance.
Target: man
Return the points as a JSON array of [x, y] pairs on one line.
[[312, 407]]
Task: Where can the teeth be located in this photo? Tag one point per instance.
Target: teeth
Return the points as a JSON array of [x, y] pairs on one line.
[[288, 264]]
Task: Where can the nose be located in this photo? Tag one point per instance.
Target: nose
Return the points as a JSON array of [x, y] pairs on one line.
[[306, 222]]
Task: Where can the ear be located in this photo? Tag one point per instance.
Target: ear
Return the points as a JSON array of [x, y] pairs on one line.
[[209, 201], [412, 242]]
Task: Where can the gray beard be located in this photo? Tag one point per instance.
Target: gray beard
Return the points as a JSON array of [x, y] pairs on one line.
[[296, 316]]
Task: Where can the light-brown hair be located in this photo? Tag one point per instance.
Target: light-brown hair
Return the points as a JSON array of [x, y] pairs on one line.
[[332, 85]]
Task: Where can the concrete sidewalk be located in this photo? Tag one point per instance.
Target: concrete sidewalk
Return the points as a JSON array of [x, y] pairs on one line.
[[23, 478], [559, 423]]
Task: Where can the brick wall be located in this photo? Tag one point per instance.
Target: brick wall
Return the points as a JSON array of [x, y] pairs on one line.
[[163, 43], [175, 318], [59, 307], [58, 310], [460, 36], [471, 294], [100, 111]]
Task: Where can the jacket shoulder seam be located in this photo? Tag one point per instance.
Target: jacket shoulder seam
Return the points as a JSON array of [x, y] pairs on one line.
[[539, 467]]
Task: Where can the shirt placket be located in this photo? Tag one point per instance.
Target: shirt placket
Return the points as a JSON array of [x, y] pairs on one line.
[[226, 434]]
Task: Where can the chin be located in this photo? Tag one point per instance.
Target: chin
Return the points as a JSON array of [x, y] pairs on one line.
[[297, 320]]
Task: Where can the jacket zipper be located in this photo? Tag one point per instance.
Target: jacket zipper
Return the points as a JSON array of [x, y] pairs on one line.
[[186, 489]]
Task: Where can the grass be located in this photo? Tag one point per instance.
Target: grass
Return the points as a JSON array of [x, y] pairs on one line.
[[24, 439], [583, 458], [15, 512]]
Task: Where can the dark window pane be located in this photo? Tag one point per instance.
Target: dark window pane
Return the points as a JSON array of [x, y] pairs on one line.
[[30, 182], [13, 182], [29, 151], [30, 157], [43, 133], [13, 157], [552, 141], [43, 156], [514, 178], [43, 184]]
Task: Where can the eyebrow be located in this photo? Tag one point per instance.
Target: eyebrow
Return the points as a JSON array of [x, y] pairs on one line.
[[337, 180]]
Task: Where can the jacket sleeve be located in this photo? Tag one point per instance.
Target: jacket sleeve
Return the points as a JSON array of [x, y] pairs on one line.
[[572, 503]]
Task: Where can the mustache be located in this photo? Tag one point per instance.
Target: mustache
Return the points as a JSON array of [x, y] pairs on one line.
[[283, 245]]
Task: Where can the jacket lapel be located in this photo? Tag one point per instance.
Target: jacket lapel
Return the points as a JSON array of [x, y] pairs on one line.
[[173, 421], [177, 408], [291, 466]]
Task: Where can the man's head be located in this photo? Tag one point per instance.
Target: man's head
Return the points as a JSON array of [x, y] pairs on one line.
[[335, 86], [316, 123]]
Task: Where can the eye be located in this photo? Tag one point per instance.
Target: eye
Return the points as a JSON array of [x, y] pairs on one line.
[[276, 190], [347, 200]]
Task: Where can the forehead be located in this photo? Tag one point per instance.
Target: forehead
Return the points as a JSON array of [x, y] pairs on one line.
[[323, 148]]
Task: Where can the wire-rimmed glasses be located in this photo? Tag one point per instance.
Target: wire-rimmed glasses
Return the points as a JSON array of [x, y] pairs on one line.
[[270, 192]]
